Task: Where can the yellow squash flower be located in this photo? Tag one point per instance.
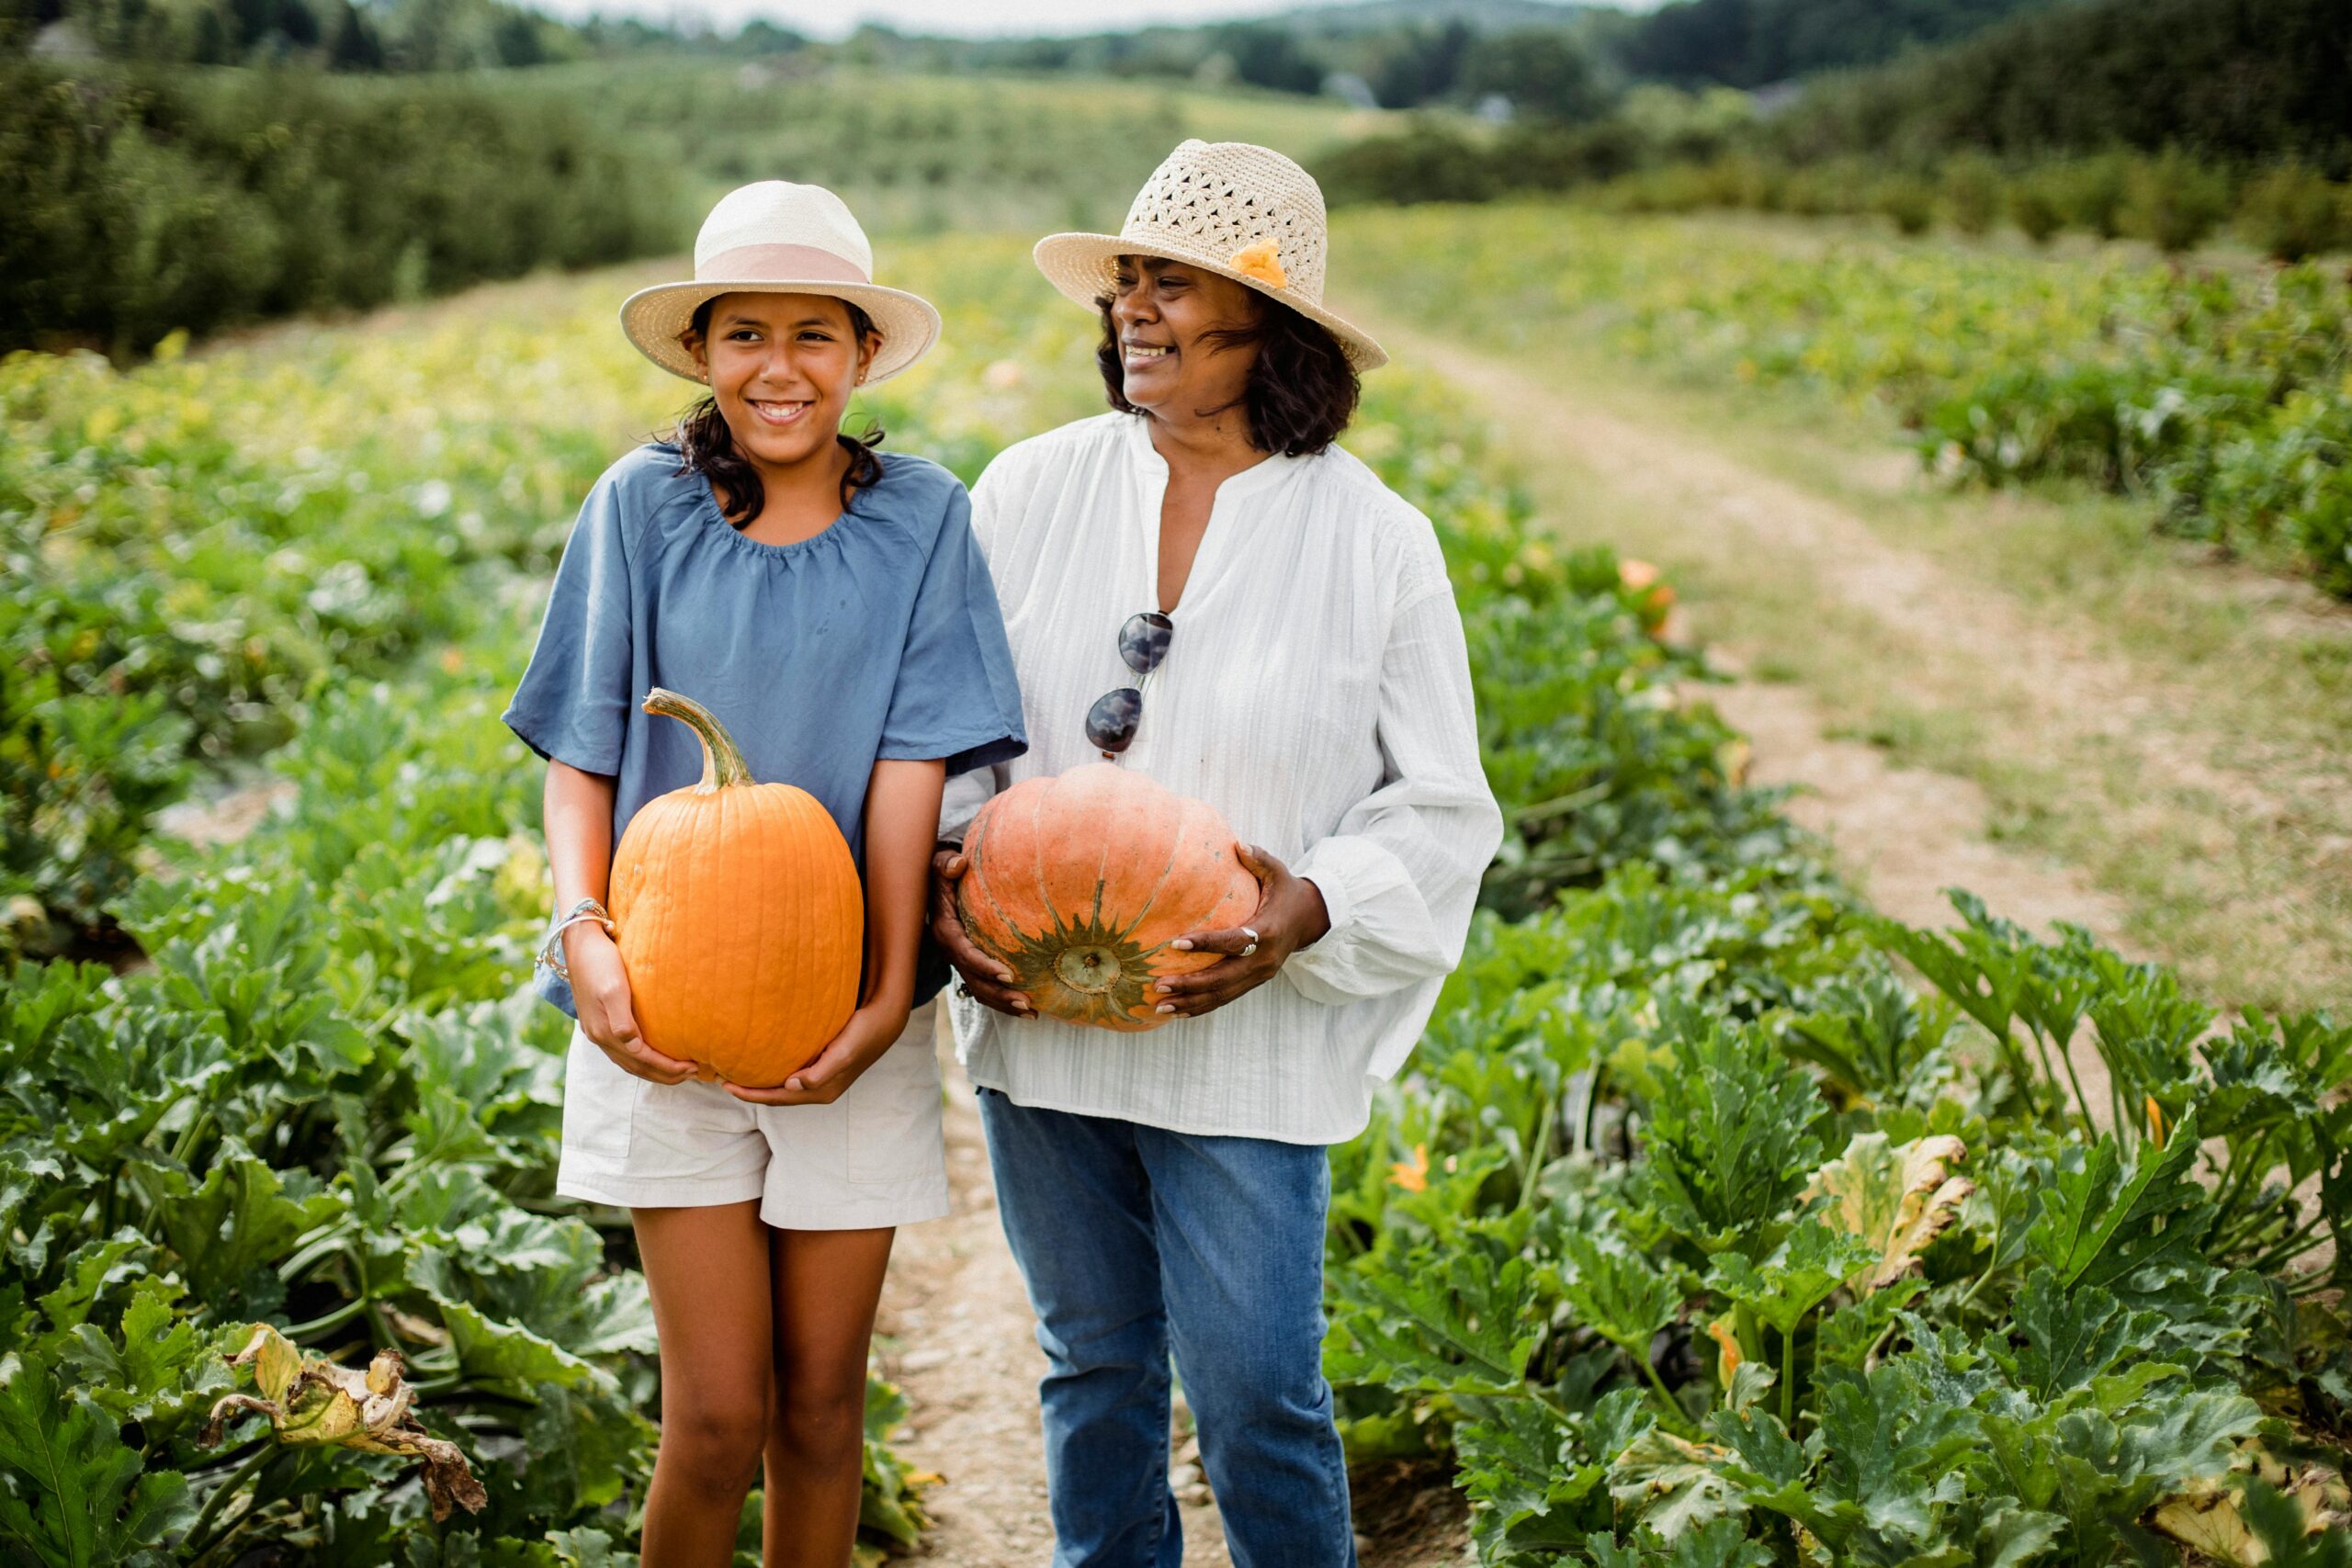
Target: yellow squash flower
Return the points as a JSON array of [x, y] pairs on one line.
[[1412, 1175]]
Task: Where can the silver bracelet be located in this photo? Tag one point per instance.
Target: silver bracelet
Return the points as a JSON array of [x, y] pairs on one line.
[[550, 950]]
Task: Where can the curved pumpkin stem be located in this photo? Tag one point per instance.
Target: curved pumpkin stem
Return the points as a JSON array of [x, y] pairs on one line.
[[723, 764]]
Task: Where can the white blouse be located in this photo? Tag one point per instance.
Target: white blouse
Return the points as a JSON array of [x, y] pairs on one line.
[[1316, 691]]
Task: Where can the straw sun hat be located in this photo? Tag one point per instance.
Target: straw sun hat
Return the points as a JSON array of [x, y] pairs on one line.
[[779, 238], [1242, 211]]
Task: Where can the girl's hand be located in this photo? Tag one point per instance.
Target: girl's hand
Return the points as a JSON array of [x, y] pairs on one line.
[[984, 978], [871, 1030], [600, 990], [1290, 916]]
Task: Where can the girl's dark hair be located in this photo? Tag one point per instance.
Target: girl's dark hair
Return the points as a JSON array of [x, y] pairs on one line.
[[1301, 393], [706, 447]]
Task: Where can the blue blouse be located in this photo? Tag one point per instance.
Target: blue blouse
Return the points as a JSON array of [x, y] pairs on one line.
[[878, 637]]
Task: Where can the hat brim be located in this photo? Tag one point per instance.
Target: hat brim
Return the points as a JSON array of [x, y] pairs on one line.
[[1082, 267], [654, 318]]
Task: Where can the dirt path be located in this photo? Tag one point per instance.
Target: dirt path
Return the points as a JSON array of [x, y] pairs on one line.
[[1902, 834], [961, 1346], [957, 1339]]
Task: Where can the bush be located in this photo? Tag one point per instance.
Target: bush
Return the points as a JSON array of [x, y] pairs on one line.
[[2038, 205], [2096, 188], [2293, 212], [143, 201], [1909, 201], [1972, 190], [2176, 201], [1427, 163]]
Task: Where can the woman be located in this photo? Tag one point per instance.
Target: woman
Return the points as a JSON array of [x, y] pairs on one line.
[[1166, 1191], [759, 558]]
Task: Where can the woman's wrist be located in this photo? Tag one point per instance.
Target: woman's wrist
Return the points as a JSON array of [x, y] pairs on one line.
[[1315, 916]]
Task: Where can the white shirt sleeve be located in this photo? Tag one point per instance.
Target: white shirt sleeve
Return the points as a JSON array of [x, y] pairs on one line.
[[1400, 876], [1001, 486], [964, 797]]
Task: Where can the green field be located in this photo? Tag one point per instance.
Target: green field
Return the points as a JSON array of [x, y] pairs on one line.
[[1577, 1256], [925, 153]]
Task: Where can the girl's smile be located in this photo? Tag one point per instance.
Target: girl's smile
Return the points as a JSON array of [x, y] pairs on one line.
[[775, 361], [779, 414]]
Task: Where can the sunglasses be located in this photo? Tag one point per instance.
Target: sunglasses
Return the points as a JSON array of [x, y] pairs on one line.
[[1143, 643]]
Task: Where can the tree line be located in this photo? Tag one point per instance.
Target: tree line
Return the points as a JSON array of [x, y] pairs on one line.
[[1556, 69], [2160, 119]]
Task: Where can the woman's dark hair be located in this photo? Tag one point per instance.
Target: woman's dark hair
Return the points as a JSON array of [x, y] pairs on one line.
[[1301, 393], [706, 447]]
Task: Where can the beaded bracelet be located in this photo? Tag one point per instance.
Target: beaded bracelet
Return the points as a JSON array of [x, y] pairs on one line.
[[586, 909]]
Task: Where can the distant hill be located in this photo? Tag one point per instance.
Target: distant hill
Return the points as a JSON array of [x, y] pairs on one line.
[[1748, 43], [1376, 15], [2243, 80]]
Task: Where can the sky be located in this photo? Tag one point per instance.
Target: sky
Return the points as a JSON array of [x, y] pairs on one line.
[[835, 19]]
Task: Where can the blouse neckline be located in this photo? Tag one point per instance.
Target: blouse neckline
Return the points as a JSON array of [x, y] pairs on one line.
[[1234, 489], [1264, 474], [716, 516]]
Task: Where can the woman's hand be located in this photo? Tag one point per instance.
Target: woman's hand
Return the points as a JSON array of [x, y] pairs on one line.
[[1290, 916], [600, 992], [984, 978], [871, 1030]]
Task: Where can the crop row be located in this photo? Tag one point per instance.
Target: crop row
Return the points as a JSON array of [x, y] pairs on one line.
[[318, 1098], [1693, 1235], [2219, 396], [1696, 1234]]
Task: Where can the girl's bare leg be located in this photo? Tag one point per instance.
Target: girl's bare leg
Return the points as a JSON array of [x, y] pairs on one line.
[[708, 1270], [827, 1284]]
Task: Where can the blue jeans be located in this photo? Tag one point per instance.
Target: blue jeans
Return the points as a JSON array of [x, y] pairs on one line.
[[1136, 1242]]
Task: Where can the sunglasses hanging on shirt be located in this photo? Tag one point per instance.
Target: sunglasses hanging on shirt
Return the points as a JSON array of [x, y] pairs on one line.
[[1143, 643]]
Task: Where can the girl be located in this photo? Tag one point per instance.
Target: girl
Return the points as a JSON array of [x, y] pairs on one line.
[[831, 605]]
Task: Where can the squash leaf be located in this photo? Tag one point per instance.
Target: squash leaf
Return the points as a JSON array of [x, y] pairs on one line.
[[1888, 1447], [1730, 1138], [77, 1496], [311, 1402], [1519, 1467], [158, 1370], [1798, 1276], [1423, 1324], [2072, 1336], [242, 1220], [2101, 1222], [1617, 1292], [1672, 1484], [1898, 1197]]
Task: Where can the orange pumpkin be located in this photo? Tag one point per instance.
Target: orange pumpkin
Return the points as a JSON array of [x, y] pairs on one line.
[[742, 922], [1078, 884]]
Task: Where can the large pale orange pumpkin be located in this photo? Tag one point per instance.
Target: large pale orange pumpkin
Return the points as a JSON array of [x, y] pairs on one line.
[[1078, 884], [742, 921]]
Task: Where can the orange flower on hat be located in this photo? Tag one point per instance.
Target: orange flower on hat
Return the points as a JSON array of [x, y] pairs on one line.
[[1260, 261]]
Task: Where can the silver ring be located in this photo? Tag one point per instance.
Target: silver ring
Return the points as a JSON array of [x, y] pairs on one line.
[[1253, 943]]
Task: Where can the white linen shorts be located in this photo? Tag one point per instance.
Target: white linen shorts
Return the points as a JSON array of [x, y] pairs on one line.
[[873, 1157]]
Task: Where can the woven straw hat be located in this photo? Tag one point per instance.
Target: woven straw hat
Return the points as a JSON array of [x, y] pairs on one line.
[[1242, 211], [779, 238]]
